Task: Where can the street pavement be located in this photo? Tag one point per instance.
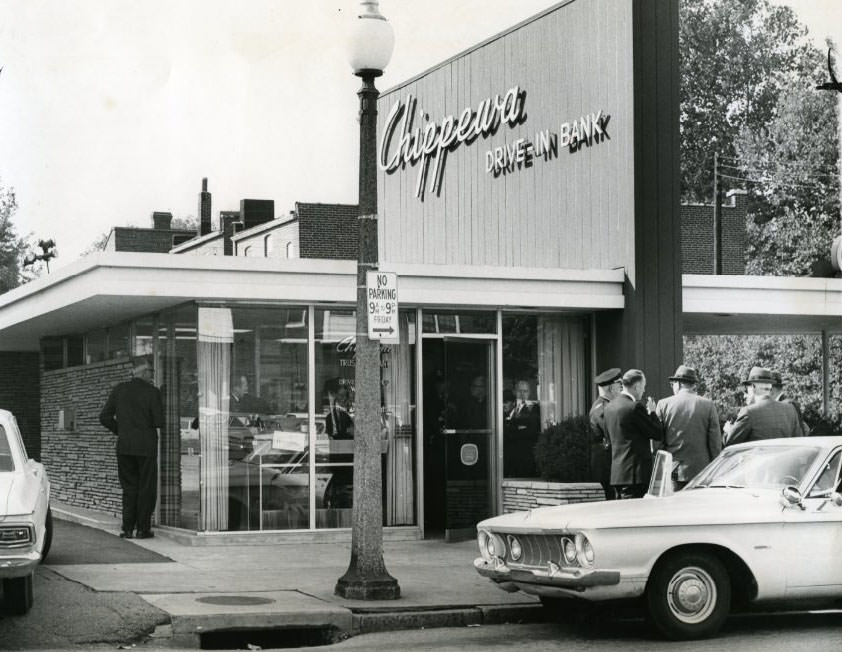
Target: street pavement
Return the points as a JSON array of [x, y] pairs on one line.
[[205, 588]]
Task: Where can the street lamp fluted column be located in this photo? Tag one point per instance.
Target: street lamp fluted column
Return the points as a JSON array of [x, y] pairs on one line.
[[367, 577]]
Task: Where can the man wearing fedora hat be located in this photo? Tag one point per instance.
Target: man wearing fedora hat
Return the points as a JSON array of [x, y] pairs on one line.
[[763, 418], [691, 426], [777, 394], [610, 385], [631, 425]]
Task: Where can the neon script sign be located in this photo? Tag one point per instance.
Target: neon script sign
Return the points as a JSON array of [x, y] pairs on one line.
[[406, 143], [403, 144]]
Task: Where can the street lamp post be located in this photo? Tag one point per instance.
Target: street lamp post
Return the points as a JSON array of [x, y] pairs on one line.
[[371, 44]]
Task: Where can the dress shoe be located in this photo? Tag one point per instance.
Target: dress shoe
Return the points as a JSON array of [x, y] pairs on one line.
[[126, 535], [146, 534]]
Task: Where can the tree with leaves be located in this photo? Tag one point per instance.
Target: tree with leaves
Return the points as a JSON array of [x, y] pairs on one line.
[[12, 247], [748, 93], [737, 57]]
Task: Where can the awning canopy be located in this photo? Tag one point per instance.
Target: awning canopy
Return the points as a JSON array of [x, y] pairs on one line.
[[726, 305], [108, 288]]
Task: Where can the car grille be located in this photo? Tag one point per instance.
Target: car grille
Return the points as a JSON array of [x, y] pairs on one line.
[[538, 550], [15, 536]]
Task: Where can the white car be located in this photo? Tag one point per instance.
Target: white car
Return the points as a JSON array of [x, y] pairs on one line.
[[25, 519], [762, 523]]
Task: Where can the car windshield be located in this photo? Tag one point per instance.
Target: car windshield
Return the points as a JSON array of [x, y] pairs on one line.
[[757, 467], [7, 463]]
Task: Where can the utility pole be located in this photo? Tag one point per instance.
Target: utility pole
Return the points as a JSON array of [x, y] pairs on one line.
[[717, 217]]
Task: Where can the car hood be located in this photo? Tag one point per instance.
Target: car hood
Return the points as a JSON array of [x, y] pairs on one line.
[[694, 507], [12, 502]]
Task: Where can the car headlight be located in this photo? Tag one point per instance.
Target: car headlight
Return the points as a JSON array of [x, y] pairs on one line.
[[584, 551], [482, 541], [568, 549], [14, 536], [495, 546], [515, 548]]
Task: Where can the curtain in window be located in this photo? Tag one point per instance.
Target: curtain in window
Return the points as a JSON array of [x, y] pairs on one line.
[[216, 336], [561, 367], [397, 380]]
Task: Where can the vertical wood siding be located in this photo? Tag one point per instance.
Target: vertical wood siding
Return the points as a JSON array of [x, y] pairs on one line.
[[574, 211]]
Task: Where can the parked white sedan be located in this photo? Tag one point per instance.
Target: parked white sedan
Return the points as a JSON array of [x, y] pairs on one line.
[[25, 519], [761, 524]]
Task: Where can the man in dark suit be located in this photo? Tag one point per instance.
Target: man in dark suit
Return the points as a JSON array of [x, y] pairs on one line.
[[763, 418], [691, 426], [521, 428], [134, 413], [777, 394], [609, 385], [631, 426]]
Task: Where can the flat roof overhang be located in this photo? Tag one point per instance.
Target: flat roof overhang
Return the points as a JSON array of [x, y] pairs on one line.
[[109, 287], [743, 305]]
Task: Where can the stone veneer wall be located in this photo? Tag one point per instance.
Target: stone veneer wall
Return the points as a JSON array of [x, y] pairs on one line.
[[81, 464], [520, 495]]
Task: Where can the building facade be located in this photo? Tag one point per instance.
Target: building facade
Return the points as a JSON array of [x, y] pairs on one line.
[[528, 194]]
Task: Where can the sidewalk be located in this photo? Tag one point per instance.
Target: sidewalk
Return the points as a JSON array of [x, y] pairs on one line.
[[290, 585]]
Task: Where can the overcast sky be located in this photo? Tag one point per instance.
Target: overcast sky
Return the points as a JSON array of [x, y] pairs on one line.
[[113, 109]]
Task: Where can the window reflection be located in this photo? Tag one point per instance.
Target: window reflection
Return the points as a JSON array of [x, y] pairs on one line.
[[543, 382]]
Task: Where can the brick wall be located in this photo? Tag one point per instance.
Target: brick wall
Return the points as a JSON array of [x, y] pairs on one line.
[[520, 495], [327, 230], [697, 236], [19, 392], [82, 465], [158, 241]]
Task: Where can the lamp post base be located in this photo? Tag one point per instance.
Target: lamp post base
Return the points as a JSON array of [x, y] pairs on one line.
[[364, 588]]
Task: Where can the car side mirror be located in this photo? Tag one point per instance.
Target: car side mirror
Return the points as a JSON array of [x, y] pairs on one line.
[[836, 498], [792, 497]]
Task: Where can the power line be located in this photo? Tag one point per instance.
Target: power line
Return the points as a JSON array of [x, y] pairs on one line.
[[755, 170], [779, 183]]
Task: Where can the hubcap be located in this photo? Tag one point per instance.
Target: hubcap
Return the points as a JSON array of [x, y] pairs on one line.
[[691, 595]]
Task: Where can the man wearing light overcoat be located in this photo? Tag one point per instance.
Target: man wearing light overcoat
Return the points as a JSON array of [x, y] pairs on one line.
[[691, 426]]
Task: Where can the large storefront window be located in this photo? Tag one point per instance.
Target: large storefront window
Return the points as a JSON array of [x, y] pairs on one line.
[[249, 444], [335, 375], [544, 376], [180, 452]]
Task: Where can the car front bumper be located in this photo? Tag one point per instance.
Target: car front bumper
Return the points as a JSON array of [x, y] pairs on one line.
[[18, 563], [569, 580]]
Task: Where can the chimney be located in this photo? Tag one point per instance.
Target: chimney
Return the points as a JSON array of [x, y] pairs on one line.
[[204, 209], [161, 220], [256, 211], [228, 223]]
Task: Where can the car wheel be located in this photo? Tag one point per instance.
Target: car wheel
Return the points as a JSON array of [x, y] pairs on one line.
[[17, 594], [48, 535], [689, 595]]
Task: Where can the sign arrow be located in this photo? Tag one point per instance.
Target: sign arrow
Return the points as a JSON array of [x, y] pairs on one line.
[[389, 330]]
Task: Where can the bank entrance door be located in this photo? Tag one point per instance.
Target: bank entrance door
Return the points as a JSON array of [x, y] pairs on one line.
[[459, 427]]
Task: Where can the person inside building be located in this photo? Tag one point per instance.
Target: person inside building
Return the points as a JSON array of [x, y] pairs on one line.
[[522, 426], [691, 426], [134, 412], [609, 385], [338, 421]]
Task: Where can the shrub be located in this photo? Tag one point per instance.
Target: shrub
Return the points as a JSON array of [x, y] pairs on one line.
[[562, 453]]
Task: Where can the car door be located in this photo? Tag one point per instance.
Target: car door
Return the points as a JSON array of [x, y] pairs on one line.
[[813, 536]]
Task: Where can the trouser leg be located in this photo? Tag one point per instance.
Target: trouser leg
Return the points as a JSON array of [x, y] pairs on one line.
[[127, 472], [147, 491]]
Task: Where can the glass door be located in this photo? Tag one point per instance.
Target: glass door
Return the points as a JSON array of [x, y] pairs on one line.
[[459, 427]]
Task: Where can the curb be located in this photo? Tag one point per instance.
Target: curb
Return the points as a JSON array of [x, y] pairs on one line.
[[366, 623]]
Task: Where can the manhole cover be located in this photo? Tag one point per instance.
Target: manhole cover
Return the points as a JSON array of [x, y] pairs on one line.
[[234, 600]]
